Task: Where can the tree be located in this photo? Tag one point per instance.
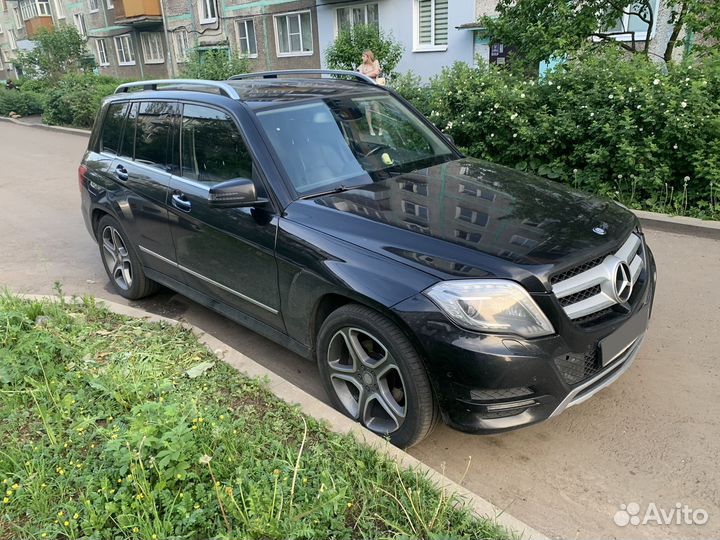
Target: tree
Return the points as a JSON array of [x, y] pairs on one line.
[[542, 29], [57, 51], [346, 51]]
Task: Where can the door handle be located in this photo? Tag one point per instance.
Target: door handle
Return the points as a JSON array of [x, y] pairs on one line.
[[180, 202], [121, 173]]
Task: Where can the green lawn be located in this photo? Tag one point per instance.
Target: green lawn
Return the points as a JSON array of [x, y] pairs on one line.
[[104, 435]]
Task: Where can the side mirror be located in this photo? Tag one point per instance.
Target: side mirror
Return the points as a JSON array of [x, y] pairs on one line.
[[235, 193]]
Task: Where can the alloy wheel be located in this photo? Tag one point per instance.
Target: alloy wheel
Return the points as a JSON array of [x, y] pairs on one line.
[[367, 380], [117, 258]]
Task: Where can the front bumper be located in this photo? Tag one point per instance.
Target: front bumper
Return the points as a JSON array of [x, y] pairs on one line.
[[492, 383]]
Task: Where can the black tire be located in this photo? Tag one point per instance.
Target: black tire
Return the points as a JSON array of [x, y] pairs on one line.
[[403, 387], [126, 276]]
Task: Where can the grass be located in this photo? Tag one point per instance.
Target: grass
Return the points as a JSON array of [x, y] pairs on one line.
[[104, 435]]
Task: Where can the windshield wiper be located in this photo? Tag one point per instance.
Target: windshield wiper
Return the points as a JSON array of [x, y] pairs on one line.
[[338, 189]]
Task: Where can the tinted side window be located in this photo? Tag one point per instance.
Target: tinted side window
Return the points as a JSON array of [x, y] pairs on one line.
[[153, 134], [112, 128], [212, 149], [128, 137]]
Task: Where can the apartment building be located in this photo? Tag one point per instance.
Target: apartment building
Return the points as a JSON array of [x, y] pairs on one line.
[[153, 38]]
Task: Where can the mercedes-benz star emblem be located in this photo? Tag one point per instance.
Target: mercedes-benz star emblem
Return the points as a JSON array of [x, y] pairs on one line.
[[622, 283], [599, 230]]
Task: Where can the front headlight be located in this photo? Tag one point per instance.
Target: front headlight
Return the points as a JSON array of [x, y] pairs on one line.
[[491, 305]]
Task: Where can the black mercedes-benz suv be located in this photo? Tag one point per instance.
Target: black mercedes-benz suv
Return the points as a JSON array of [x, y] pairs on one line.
[[425, 284]]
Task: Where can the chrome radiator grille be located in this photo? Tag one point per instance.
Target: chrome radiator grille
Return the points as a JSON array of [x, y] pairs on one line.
[[604, 283]]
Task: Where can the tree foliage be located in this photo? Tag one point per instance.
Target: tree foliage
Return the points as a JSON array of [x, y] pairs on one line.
[[346, 51], [542, 29], [214, 65], [58, 51]]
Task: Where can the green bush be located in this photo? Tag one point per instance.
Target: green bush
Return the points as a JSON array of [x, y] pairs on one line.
[[347, 49], [604, 123], [22, 103], [214, 65], [77, 98]]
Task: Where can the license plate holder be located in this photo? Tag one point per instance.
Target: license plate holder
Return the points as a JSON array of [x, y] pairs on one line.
[[618, 341]]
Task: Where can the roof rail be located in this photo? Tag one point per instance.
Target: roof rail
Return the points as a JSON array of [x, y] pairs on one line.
[[274, 74], [224, 87]]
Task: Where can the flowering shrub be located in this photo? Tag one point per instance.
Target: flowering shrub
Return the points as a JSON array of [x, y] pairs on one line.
[[616, 126]]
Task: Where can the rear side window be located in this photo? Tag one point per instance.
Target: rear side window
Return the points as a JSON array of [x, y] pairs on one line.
[[112, 128], [153, 133], [128, 137], [212, 149]]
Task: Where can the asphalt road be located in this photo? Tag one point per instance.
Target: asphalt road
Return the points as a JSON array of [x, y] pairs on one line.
[[651, 438]]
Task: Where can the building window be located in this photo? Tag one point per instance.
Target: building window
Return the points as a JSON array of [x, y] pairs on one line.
[[152, 47], [102, 56], [415, 187], [34, 8], [431, 25], [59, 9], [630, 26], [519, 240], [12, 40], [246, 38], [347, 17], [79, 20], [94, 5], [208, 11], [110, 4], [125, 54], [471, 216], [293, 34], [417, 210], [182, 45], [468, 236], [18, 18], [476, 192]]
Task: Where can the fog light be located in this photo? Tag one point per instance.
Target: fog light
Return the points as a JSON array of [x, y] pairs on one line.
[[511, 405]]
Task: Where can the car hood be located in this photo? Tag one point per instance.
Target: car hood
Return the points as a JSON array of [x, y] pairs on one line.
[[471, 218]]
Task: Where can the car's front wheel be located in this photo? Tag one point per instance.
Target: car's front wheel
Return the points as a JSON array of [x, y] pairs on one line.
[[374, 375], [121, 262]]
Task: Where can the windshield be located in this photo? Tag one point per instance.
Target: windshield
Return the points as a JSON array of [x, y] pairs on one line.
[[350, 141]]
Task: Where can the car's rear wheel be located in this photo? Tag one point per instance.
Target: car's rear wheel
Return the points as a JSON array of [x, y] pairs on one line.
[[121, 262], [374, 375]]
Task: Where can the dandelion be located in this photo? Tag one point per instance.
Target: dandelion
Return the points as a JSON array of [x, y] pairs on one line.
[[16, 486], [181, 495], [222, 417], [136, 530], [66, 523], [76, 515], [9, 492], [139, 496], [6, 500], [113, 436], [61, 513]]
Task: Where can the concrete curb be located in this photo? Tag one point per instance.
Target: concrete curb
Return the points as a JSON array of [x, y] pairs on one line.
[[335, 421], [72, 131], [680, 224]]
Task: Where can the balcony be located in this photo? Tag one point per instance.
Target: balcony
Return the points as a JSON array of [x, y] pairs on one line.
[[36, 23], [138, 12]]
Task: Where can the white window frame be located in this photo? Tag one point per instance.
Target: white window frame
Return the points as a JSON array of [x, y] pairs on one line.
[[101, 48], [351, 7], [12, 39], [147, 47], [129, 49], [79, 22], [59, 9], [182, 45], [110, 4], [245, 22], [421, 47], [18, 18], [627, 34], [96, 4], [277, 34], [1, 29], [204, 7]]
